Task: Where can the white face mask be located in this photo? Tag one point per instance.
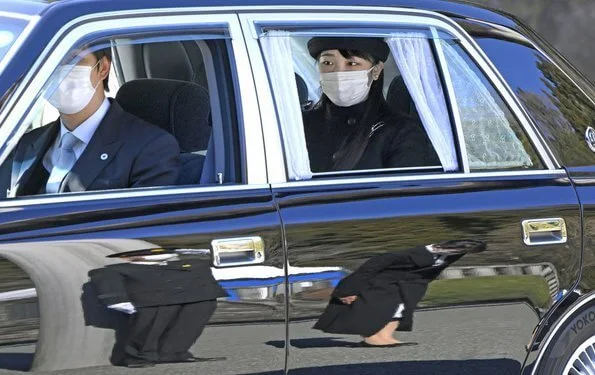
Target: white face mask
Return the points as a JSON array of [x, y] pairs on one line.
[[75, 90], [345, 89]]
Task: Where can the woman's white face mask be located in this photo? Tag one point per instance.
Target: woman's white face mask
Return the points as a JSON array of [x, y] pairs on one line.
[[75, 90], [347, 88]]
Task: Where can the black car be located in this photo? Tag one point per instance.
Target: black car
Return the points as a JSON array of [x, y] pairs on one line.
[[485, 255]]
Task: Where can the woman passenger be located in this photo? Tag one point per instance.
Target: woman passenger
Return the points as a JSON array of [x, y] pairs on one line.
[[352, 126]]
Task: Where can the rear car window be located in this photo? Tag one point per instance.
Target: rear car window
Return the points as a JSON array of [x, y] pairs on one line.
[[556, 104]]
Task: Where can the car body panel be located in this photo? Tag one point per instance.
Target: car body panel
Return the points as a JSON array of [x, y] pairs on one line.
[[344, 225], [83, 233], [559, 101], [321, 229]]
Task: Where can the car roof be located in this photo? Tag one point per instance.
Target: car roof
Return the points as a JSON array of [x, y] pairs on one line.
[[74, 8], [53, 15]]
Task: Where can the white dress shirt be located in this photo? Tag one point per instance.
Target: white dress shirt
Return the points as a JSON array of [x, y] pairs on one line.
[[84, 132]]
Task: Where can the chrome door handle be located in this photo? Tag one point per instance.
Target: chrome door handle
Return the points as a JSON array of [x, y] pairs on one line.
[[240, 251], [544, 231]]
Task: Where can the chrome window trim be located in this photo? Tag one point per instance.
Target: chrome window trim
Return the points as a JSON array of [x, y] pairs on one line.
[[386, 16], [16, 112], [451, 100], [33, 20], [384, 170], [561, 321], [276, 170], [107, 195], [434, 177]]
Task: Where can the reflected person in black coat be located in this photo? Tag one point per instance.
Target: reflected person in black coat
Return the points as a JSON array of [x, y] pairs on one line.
[[170, 302], [352, 126], [382, 294]]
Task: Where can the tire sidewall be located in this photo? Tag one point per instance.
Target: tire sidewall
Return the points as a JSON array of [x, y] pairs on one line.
[[576, 331]]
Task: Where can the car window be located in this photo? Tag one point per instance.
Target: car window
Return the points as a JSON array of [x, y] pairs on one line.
[[555, 103], [164, 122], [400, 125], [494, 139]]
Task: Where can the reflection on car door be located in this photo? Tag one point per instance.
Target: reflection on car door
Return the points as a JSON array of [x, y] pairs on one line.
[[58, 243], [477, 315]]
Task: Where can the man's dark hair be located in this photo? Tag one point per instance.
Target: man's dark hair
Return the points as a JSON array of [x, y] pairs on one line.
[[99, 54]]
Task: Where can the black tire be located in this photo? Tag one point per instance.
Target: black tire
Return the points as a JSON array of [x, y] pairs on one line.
[[578, 331]]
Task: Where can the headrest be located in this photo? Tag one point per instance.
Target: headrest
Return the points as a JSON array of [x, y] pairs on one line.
[[179, 107], [302, 89], [374, 46], [398, 96], [178, 64]]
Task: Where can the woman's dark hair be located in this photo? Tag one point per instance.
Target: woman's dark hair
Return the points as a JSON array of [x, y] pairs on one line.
[[352, 148]]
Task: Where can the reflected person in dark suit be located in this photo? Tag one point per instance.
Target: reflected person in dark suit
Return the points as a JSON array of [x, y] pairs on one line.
[[170, 301], [382, 294]]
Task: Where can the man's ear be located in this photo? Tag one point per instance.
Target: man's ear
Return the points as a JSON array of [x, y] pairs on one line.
[[377, 70], [104, 67]]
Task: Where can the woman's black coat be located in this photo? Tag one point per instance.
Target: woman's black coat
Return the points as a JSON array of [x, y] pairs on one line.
[[392, 140], [381, 284]]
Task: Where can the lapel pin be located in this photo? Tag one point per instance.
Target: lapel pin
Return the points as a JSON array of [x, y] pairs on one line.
[[103, 156]]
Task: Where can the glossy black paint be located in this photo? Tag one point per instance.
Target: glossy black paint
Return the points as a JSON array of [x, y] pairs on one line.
[[77, 219], [343, 225], [584, 180], [329, 225], [56, 244]]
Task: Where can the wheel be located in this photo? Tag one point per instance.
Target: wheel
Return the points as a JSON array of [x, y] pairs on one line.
[[582, 361], [572, 352]]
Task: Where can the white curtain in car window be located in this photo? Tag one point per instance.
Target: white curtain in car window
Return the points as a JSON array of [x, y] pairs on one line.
[[305, 66], [415, 61], [490, 141], [276, 46]]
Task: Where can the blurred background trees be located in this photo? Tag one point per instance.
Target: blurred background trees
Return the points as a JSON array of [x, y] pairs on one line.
[[569, 25]]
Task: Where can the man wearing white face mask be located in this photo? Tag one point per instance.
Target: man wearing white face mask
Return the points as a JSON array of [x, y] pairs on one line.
[[352, 126], [95, 144]]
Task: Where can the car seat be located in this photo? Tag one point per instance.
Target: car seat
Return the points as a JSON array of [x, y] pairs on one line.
[[302, 92], [181, 108], [399, 99], [184, 61]]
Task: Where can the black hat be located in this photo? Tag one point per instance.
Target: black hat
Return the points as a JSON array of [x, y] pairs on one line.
[[374, 46]]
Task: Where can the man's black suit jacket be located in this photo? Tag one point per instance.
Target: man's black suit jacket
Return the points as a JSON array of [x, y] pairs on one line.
[[124, 152], [177, 282]]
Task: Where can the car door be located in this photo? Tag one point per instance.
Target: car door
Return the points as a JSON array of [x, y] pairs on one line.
[[226, 226], [479, 310]]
